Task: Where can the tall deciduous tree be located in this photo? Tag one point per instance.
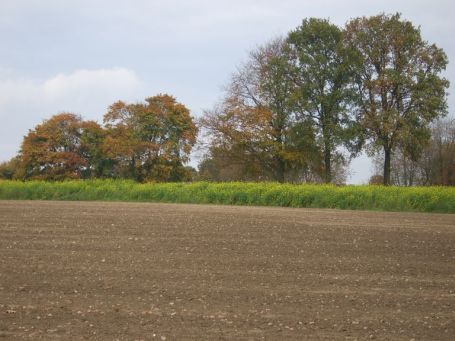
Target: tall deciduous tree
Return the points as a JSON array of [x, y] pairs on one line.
[[399, 82], [151, 140], [323, 94], [250, 130]]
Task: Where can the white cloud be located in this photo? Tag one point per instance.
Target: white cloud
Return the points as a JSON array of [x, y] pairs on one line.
[[79, 81], [26, 102]]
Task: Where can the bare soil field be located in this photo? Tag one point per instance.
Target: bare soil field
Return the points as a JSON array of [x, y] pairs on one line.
[[130, 271]]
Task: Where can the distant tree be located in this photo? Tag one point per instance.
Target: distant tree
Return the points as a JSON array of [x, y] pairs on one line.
[[322, 93], [241, 147], [10, 169], [399, 83], [53, 150], [190, 174], [437, 163], [403, 170], [150, 141], [376, 179]]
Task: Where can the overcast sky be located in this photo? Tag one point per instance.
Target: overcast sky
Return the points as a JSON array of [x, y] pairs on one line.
[[81, 56]]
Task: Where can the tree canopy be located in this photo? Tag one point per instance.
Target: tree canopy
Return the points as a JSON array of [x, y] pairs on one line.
[[54, 149], [253, 129], [322, 95], [399, 84], [144, 141], [150, 141]]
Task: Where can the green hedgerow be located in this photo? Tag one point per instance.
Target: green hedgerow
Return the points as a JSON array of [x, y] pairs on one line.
[[414, 199]]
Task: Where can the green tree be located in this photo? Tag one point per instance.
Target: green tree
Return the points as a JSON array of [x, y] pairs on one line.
[[399, 83], [92, 138], [151, 140], [323, 94]]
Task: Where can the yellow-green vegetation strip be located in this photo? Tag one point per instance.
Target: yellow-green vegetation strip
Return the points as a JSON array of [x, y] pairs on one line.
[[413, 199]]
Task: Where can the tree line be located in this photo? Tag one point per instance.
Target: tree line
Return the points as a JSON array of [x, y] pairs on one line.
[[298, 110], [148, 141]]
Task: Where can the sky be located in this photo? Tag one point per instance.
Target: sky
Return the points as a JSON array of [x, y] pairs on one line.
[[81, 56]]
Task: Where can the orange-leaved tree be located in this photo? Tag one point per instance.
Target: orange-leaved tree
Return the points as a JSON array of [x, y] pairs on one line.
[[252, 134], [150, 141], [54, 149]]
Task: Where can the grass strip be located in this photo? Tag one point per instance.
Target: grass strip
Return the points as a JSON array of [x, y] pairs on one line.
[[412, 199]]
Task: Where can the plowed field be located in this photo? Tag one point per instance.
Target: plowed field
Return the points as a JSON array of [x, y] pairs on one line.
[[126, 271]]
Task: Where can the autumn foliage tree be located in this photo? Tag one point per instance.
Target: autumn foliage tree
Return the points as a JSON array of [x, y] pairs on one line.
[[53, 150], [151, 140], [250, 131], [145, 141]]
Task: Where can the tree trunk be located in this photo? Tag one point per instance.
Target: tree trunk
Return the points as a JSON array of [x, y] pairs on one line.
[[387, 157], [280, 170], [133, 168], [327, 152], [327, 140], [327, 163], [280, 164]]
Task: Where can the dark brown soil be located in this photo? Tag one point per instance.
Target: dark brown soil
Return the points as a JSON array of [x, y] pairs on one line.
[[127, 271]]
